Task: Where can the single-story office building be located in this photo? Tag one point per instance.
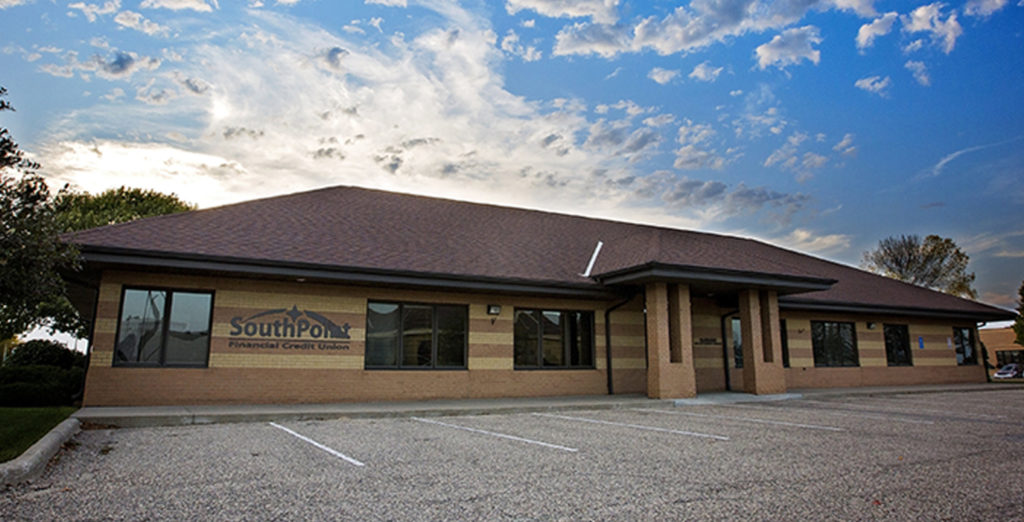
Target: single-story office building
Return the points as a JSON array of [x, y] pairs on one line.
[[350, 294]]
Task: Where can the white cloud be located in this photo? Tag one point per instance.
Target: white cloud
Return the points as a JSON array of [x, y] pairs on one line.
[[662, 76], [790, 47], [427, 113], [528, 24], [583, 38], [928, 19], [389, 3], [600, 11], [694, 152], [659, 120], [920, 72], [788, 157], [805, 240], [133, 20], [705, 72], [845, 146], [92, 11], [913, 46], [178, 5], [864, 8], [688, 28], [879, 27], [120, 65], [983, 8], [4, 4], [875, 84], [510, 44]]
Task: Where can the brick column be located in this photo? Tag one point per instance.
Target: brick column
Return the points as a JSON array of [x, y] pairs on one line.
[[667, 379], [762, 344]]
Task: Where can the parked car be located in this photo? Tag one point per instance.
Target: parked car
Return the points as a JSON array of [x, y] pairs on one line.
[[1010, 371]]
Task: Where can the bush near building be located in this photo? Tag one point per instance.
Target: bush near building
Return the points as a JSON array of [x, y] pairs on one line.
[[41, 373]]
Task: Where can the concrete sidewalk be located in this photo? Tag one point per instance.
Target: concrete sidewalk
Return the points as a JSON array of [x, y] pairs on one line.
[[209, 414]]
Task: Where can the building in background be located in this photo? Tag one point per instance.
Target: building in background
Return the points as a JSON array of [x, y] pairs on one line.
[[1002, 349], [350, 294]]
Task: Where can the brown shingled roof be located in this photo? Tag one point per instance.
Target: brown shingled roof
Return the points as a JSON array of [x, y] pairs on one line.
[[348, 228]]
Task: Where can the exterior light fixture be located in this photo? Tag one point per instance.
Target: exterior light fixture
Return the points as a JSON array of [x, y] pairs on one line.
[[871, 326], [493, 309]]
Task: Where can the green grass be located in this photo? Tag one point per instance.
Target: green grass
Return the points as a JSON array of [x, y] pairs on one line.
[[20, 428]]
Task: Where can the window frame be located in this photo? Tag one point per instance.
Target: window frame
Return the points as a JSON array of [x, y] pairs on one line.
[[889, 360], [433, 337], [566, 346], [853, 341], [164, 323], [961, 359]]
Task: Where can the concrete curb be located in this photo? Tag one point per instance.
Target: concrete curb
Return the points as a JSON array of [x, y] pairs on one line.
[[32, 463], [142, 417]]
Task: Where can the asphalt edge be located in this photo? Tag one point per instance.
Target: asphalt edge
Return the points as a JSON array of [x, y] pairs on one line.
[[32, 462]]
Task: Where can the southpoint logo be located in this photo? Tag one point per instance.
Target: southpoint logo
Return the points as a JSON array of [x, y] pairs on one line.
[[285, 323]]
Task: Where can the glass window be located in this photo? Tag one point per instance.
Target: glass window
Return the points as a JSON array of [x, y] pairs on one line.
[[400, 335], [897, 345], [163, 328], [1005, 357], [554, 339], [527, 338], [963, 341], [784, 338], [737, 341], [382, 326], [834, 344]]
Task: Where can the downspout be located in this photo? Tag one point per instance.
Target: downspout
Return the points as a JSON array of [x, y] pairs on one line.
[[725, 349], [608, 341]]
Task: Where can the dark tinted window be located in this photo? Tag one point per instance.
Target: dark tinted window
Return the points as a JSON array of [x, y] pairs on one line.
[[554, 339], [963, 341], [897, 345], [163, 328], [834, 344], [400, 335], [737, 341]]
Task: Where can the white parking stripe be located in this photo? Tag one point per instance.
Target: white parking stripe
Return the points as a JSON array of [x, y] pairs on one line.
[[744, 419], [831, 412], [338, 454], [635, 426], [494, 434]]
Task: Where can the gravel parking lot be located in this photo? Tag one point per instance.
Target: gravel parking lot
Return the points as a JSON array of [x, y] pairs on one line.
[[929, 456]]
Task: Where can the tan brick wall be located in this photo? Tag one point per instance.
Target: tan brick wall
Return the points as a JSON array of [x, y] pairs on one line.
[[935, 364], [253, 375]]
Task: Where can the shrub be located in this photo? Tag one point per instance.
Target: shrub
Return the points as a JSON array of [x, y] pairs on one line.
[[39, 385], [46, 353]]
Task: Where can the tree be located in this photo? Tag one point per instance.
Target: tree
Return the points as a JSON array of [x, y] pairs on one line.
[[936, 263], [81, 210], [31, 254], [44, 352], [1018, 323]]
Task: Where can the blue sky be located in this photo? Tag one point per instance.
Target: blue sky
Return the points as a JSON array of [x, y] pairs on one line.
[[822, 126]]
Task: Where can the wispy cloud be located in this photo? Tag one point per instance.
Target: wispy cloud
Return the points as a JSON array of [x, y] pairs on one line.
[[429, 110], [937, 169], [875, 85]]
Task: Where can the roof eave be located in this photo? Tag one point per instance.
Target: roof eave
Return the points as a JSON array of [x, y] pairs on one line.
[[337, 274], [658, 272], [859, 308]]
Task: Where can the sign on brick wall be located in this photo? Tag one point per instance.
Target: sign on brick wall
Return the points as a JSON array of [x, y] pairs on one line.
[[288, 329]]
